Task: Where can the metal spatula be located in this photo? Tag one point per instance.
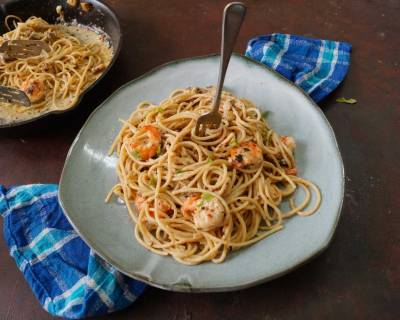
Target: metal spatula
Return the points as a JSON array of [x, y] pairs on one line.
[[12, 95], [19, 49]]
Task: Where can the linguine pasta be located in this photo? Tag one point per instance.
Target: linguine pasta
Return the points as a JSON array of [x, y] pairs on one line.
[[196, 198]]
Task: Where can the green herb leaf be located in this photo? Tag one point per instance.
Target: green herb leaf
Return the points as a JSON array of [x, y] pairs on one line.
[[153, 181], [233, 143], [179, 171], [158, 110], [159, 149], [265, 114], [136, 154], [200, 204], [209, 160], [207, 197], [348, 101]]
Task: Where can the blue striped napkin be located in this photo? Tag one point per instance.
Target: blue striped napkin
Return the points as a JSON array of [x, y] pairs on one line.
[[66, 276], [317, 66]]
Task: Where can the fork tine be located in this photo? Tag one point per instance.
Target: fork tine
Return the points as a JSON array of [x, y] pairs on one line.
[[200, 128], [198, 125], [203, 129]]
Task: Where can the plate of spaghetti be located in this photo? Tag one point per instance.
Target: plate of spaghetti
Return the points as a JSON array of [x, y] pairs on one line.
[[243, 204], [79, 52]]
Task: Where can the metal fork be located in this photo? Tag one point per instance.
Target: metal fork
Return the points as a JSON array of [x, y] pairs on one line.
[[233, 17]]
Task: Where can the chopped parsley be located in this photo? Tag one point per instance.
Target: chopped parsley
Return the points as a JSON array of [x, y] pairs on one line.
[[233, 143], [136, 154], [205, 197], [348, 101], [153, 181], [158, 110], [159, 149], [209, 160]]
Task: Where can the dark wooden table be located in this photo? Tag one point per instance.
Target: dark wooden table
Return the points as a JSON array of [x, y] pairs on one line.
[[358, 277]]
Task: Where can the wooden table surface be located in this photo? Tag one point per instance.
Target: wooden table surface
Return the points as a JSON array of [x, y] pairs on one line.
[[358, 277]]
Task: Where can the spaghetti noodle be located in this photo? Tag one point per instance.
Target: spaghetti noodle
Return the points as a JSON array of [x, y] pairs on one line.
[[196, 198], [55, 79]]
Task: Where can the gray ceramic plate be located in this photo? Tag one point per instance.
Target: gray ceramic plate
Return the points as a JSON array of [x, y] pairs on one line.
[[89, 173]]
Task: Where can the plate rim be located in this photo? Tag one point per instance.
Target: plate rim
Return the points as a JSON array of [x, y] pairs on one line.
[[179, 288]]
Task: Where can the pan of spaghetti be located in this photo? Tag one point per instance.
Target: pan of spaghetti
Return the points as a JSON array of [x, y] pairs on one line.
[[246, 202], [83, 40]]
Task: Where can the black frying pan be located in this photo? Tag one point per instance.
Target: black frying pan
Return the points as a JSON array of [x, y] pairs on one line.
[[101, 16]]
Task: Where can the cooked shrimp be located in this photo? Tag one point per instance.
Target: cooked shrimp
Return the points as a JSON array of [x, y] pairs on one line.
[[139, 202], [163, 206], [289, 142], [207, 212], [48, 67], [291, 171], [247, 155], [34, 89], [147, 142], [189, 205], [210, 215]]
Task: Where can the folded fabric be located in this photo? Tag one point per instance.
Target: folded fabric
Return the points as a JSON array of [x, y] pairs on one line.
[[317, 66], [66, 276]]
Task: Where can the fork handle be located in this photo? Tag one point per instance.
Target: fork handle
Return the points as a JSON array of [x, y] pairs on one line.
[[233, 17]]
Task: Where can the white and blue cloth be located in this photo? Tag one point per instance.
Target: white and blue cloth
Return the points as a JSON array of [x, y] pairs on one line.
[[317, 66], [66, 276]]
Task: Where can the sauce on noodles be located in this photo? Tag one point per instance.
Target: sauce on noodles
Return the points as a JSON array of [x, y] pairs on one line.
[[197, 198]]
